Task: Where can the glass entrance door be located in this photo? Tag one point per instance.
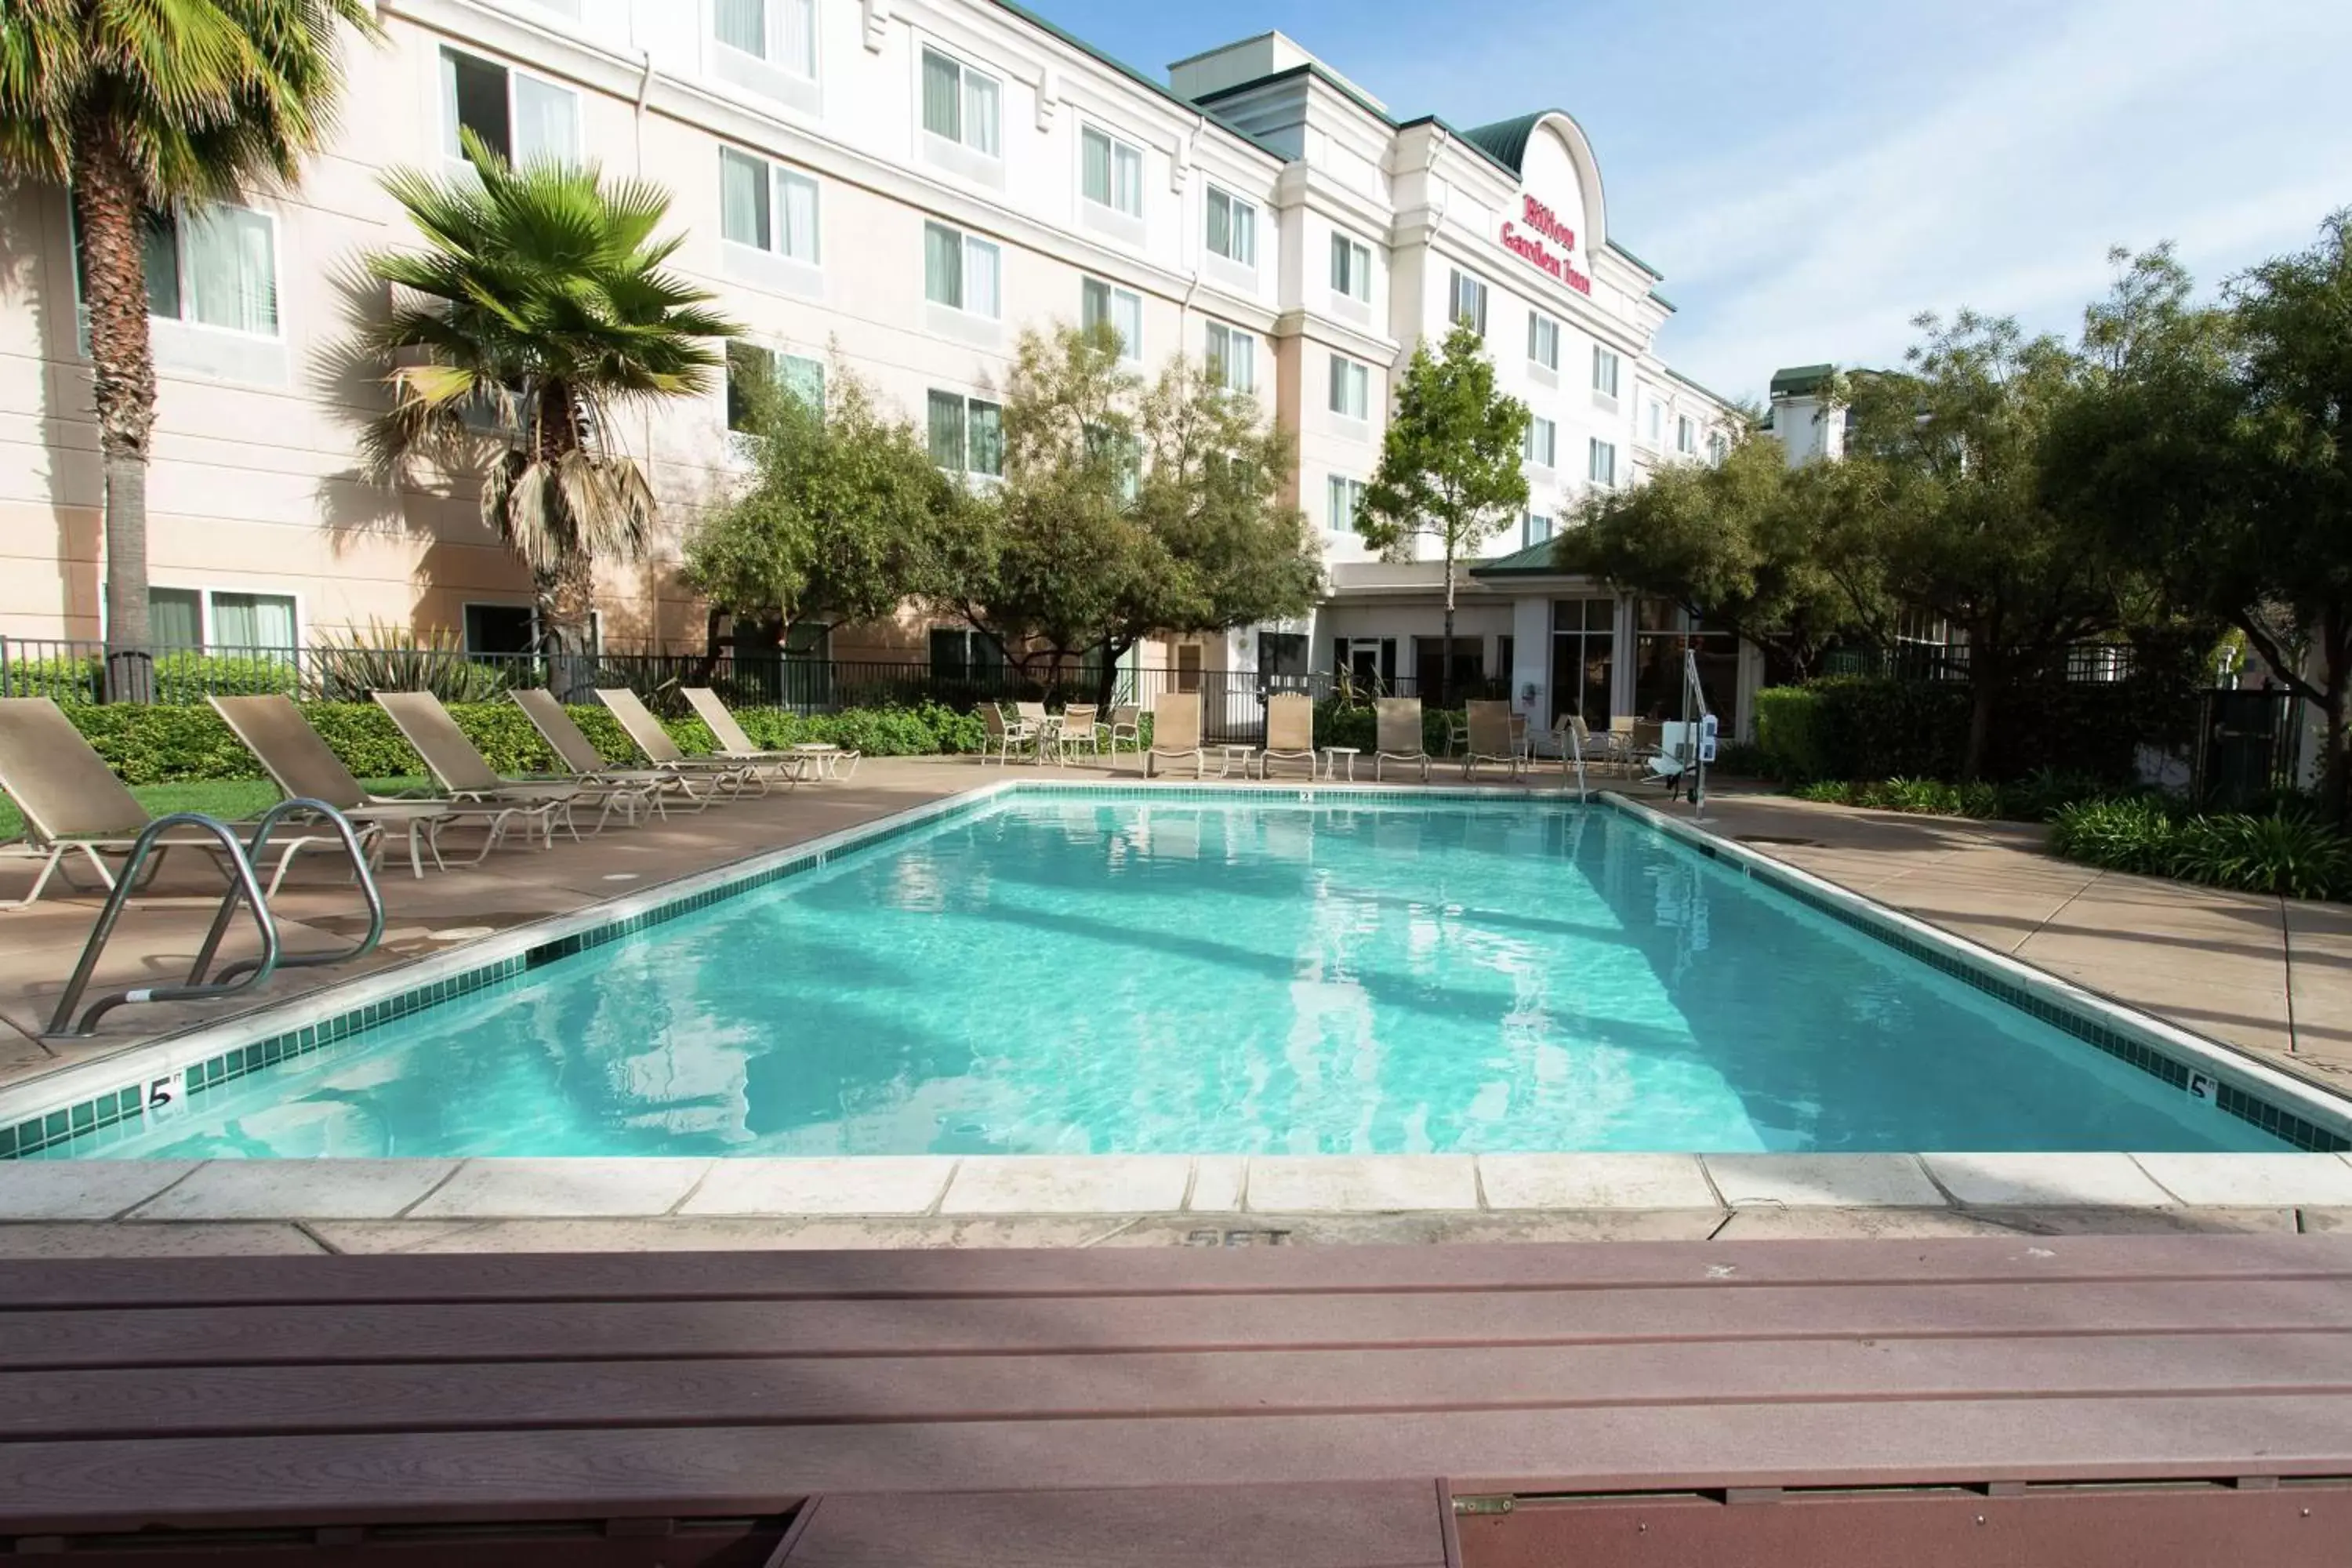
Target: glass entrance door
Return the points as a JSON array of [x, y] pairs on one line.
[[1583, 659]]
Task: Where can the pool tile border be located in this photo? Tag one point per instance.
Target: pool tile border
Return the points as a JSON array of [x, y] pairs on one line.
[[93, 1098]]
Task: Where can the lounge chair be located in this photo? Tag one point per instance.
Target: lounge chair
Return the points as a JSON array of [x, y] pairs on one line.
[[1176, 730], [462, 770], [72, 802], [1289, 732], [579, 758], [1398, 736], [304, 766], [646, 731], [1126, 724], [1079, 731], [814, 761], [1004, 733], [1490, 740]]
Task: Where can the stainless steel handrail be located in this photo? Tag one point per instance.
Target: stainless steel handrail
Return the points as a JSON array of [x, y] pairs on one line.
[[243, 883], [266, 825]]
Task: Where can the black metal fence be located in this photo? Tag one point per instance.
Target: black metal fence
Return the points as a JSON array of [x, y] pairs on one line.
[[2249, 748], [2087, 664]]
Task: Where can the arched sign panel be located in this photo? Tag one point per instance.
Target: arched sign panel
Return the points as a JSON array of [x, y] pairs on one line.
[[1546, 228]]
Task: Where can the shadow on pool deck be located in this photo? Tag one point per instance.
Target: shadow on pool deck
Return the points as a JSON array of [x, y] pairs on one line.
[[2271, 975]]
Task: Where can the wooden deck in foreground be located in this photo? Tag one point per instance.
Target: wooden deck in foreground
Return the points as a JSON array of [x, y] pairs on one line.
[[2080, 1400]]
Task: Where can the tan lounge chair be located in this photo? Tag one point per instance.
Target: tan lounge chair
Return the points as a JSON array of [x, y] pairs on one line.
[[1126, 724], [303, 765], [817, 761], [466, 774], [1176, 732], [1289, 732], [1490, 739], [72, 802], [1004, 734], [1398, 736], [581, 759], [637, 721]]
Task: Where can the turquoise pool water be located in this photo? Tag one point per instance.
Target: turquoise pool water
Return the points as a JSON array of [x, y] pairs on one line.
[[1121, 976]]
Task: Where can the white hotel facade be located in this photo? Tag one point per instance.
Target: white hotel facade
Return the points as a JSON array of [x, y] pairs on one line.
[[902, 187]]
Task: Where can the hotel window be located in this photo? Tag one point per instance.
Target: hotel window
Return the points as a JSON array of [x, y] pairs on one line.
[[957, 654], [1233, 227], [1346, 496], [1351, 267], [1542, 442], [749, 366], [1685, 434], [960, 271], [222, 622], [1465, 302], [1657, 422], [967, 435], [780, 32], [1351, 387], [1534, 528], [1717, 446], [215, 265], [1602, 467], [1604, 371], [1122, 308], [519, 117], [1110, 171], [1233, 357], [1543, 340], [959, 103], [766, 206]]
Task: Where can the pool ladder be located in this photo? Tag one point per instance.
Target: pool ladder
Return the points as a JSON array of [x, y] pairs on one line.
[[244, 887]]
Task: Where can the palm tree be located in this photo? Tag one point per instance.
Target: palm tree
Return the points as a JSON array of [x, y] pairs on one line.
[[138, 106], [538, 308]]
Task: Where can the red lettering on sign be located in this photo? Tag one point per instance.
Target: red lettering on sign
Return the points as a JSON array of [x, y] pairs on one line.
[[1533, 251], [1545, 222]]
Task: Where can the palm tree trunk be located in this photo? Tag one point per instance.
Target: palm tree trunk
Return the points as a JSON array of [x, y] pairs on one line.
[[106, 202], [570, 624]]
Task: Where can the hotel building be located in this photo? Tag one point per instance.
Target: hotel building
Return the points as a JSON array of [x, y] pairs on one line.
[[900, 186]]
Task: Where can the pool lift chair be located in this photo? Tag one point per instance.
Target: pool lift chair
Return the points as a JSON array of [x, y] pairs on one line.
[[1687, 746]]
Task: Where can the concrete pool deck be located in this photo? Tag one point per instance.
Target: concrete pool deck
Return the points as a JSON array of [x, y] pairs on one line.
[[2271, 977]]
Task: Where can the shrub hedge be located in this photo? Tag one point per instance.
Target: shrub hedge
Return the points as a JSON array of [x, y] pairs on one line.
[[161, 743], [1355, 724], [1866, 727], [2287, 852]]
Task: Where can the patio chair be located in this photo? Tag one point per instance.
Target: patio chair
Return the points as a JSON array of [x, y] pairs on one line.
[[1126, 724], [300, 763], [1289, 732], [1176, 732], [815, 761], [1077, 730], [1004, 733], [461, 769], [1398, 736], [645, 732], [578, 755], [72, 802], [1490, 740]]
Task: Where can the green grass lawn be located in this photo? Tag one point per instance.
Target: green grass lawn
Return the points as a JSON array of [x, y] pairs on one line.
[[230, 799]]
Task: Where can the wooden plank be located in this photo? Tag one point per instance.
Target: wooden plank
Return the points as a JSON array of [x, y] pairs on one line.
[[419, 1397], [817, 1276], [63, 1488], [648, 1330], [1387, 1525], [2303, 1527]]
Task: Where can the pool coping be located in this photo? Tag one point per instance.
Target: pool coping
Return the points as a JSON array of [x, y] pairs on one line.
[[1117, 1185]]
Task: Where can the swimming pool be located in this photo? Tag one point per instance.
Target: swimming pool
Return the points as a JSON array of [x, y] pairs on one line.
[[1069, 971]]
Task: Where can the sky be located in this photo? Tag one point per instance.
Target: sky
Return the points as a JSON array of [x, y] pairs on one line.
[[1810, 178]]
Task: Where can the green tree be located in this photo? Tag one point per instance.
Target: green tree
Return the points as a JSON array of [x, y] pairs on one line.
[[2214, 444], [1450, 463], [1736, 545], [144, 109], [1945, 509], [846, 516], [538, 310], [1128, 509]]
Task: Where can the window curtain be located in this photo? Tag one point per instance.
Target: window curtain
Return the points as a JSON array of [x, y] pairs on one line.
[[979, 267], [1094, 166], [796, 42], [942, 100], [1220, 222], [1094, 304], [231, 275], [1245, 234], [742, 198], [942, 266], [1240, 354], [175, 618], [980, 113], [1127, 180], [546, 123], [243, 621], [798, 200], [987, 455], [1126, 315], [804, 379], [947, 430], [743, 25]]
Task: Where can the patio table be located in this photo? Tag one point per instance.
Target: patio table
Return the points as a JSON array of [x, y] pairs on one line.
[[1331, 755]]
